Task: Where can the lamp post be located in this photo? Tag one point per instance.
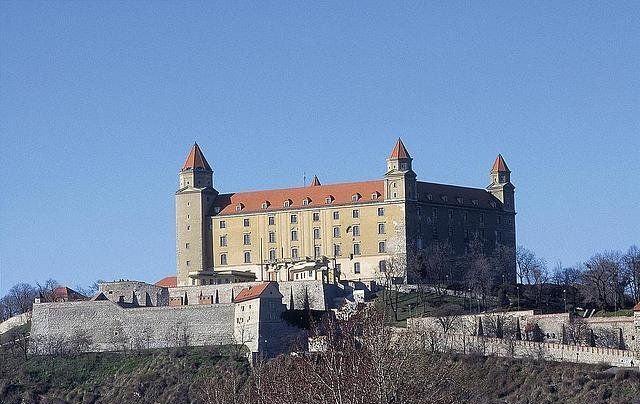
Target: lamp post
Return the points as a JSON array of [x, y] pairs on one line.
[[564, 291]]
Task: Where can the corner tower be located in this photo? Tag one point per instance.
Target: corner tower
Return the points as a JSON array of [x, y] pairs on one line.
[[399, 180], [194, 199], [501, 186]]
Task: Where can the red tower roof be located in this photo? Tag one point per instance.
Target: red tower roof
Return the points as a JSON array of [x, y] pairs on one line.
[[499, 165], [399, 151], [315, 182], [196, 159]]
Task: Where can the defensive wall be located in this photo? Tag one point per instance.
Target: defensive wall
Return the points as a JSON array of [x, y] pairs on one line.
[[15, 321], [528, 349], [606, 330], [319, 295], [106, 326], [135, 293]]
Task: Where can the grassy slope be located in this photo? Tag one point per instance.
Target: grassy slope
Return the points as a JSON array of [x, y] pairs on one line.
[[162, 376], [501, 380], [151, 376]]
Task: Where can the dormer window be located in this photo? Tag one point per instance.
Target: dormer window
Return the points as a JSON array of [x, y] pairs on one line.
[[493, 204], [328, 199], [265, 204], [375, 195], [239, 207], [287, 203], [460, 200], [474, 202], [306, 201], [355, 197], [444, 198], [430, 197]]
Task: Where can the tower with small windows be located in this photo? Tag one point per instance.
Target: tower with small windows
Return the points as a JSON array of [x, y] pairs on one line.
[[501, 186], [194, 199], [399, 180]]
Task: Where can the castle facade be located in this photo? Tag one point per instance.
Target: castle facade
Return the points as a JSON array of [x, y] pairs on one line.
[[346, 230]]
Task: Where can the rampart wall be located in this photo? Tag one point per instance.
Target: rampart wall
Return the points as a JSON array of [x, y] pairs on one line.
[[105, 326], [528, 349], [606, 329], [135, 293], [15, 321], [319, 295]]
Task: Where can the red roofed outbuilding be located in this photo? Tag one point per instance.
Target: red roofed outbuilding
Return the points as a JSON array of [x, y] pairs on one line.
[[168, 282], [65, 294]]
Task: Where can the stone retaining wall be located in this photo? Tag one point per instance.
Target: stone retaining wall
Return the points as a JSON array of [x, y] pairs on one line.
[[537, 350], [15, 321], [105, 326]]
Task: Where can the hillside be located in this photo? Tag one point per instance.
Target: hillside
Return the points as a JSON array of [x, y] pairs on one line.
[[180, 376]]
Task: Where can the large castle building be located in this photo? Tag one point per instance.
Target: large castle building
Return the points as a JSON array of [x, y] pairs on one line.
[[349, 230]]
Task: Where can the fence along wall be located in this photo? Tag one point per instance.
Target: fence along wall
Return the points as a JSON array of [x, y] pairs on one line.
[[528, 349], [105, 326], [606, 329]]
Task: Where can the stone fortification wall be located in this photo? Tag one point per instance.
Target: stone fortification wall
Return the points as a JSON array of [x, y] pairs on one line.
[[15, 321], [105, 326], [135, 293], [527, 349], [319, 295], [606, 329]]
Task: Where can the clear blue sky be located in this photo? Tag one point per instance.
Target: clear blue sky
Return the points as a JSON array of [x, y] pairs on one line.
[[101, 101]]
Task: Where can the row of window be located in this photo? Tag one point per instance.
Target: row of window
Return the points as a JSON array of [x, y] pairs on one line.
[[356, 214], [459, 200], [355, 231], [465, 216], [293, 218], [382, 248], [307, 201]]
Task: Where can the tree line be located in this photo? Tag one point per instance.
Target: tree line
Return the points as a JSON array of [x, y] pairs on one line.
[[19, 299], [606, 281]]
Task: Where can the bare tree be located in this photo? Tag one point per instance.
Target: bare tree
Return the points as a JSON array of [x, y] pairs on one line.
[[45, 290], [395, 269], [437, 265], [602, 281], [539, 277], [20, 298], [479, 276], [448, 316], [526, 261], [577, 331], [631, 267]]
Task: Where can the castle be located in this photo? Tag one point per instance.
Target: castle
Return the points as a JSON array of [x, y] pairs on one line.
[[325, 245], [349, 228], [243, 259]]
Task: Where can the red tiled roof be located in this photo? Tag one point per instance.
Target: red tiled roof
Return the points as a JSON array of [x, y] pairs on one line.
[[196, 159], [60, 292], [63, 292], [251, 292], [399, 151], [499, 165], [636, 307], [315, 182], [168, 282], [340, 194]]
